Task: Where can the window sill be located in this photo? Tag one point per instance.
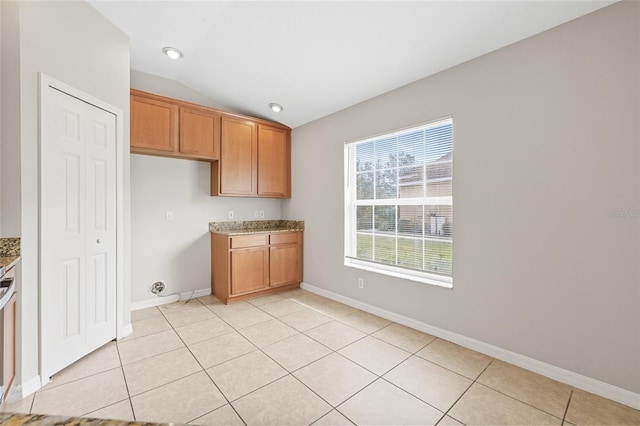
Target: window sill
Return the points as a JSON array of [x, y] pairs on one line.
[[402, 273]]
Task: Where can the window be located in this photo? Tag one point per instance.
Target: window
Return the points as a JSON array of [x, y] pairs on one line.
[[399, 203]]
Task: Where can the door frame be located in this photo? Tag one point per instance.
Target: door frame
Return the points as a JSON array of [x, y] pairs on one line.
[[45, 82]]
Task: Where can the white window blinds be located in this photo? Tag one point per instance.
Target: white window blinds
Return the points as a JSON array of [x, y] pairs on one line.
[[399, 203]]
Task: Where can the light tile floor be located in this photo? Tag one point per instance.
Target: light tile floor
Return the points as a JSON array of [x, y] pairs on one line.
[[300, 359]]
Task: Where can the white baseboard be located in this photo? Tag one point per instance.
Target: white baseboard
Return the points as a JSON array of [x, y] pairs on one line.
[[579, 381], [164, 300]]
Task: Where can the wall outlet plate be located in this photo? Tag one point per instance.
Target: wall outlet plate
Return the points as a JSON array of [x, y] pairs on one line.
[[230, 214]]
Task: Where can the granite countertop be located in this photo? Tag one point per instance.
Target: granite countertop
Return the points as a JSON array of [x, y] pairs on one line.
[[38, 419], [255, 227], [9, 253]]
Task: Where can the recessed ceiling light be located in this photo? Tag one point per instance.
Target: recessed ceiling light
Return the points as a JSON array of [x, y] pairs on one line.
[[172, 52], [275, 107]]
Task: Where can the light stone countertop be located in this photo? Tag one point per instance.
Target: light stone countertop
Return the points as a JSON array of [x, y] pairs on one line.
[[9, 253], [255, 227]]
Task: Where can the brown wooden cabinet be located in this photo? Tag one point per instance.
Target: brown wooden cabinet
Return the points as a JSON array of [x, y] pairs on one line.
[[199, 133], [236, 172], [284, 261], [255, 160], [249, 157], [274, 162], [154, 125], [244, 266], [167, 127]]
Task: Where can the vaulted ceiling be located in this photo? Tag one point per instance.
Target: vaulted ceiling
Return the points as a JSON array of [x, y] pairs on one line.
[[318, 57]]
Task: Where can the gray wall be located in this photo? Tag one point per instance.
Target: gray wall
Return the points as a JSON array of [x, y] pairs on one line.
[[546, 141], [178, 251], [73, 43]]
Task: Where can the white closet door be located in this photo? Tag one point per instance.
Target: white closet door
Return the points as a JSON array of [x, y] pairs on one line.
[[78, 230]]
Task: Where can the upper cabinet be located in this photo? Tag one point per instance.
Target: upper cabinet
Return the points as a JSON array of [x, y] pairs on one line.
[[274, 162], [167, 127], [236, 172], [199, 133], [249, 157], [255, 160], [154, 125]]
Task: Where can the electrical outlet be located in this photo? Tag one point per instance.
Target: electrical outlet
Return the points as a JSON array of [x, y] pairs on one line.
[[256, 213], [169, 215], [360, 283], [261, 214], [230, 214]]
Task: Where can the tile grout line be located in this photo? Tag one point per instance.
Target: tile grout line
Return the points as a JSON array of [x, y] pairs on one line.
[[566, 410], [41, 390], [504, 394], [474, 381], [126, 384]]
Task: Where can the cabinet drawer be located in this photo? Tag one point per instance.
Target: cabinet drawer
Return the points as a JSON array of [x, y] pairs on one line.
[[283, 238], [240, 241]]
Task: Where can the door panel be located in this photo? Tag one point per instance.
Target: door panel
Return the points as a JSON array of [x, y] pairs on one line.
[[154, 125], [78, 232], [199, 133], [71, 296], [272, 162], [249, 269], [100, 240], [238, 157], [283, 262], [73, 198]]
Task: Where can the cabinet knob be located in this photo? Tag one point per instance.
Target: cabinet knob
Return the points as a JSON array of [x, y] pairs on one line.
[[98, 241]]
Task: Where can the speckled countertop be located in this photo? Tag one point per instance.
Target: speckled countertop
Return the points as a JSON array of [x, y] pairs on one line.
[[255, 227], [9, 252], [37, 419]]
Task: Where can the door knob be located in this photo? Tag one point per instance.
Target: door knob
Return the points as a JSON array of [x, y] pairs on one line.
[[98, 241]]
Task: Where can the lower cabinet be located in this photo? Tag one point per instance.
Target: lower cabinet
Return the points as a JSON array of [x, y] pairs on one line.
[[244, 266], [249, 270], [284, 261]]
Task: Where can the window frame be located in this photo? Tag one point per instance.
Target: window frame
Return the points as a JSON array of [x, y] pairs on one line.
[[351, 204]]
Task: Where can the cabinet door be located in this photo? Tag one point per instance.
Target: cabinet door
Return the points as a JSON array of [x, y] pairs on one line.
[[154, 125], [238, 157], [283, 264], [274, 162], [199, 133], [249, 270]]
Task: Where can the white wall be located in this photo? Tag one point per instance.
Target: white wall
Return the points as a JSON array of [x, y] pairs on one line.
[[177, 252], [72, 43], [10, 121], [0, 119], [546, 141]]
